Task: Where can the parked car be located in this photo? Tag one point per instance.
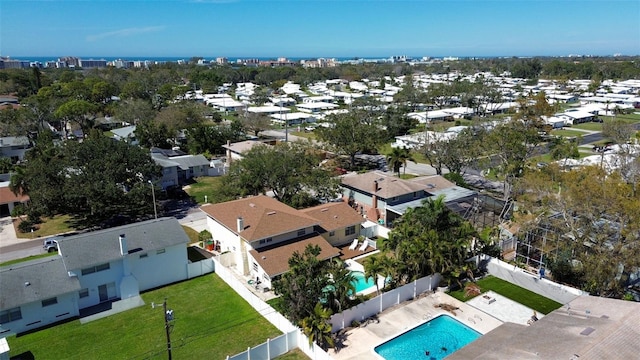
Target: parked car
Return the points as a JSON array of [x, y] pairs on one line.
[[50, 244]]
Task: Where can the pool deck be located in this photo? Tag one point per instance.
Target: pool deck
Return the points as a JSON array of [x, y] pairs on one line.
[[358, 343]]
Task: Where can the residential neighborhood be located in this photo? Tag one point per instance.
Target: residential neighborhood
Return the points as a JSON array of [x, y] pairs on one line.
[[336, 211]]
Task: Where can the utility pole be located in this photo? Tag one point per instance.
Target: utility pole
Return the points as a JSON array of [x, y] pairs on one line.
[[168, 316]]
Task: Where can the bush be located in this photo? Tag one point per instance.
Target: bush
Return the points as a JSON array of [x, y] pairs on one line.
[[18, 211], [26, 226]]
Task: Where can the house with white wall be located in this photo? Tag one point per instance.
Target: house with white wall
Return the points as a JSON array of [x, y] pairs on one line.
[[260, 234], [90, 269], [178, 167]]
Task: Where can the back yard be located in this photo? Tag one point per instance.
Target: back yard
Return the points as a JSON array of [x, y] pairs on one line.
[[211, 322], [523, 296]]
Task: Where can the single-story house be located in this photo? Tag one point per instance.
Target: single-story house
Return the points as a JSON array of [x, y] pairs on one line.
[[126, 134], [178, 168], [90, 269], [14, 147], [236, 151], [9, 200], [293, 118]]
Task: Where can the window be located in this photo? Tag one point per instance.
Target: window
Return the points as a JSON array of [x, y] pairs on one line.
[[350, 230], [415, 194], [255, 267], [332, 233], [395, 198], [265, 276], [91, 270], [49, 302], [161, 251], [142, 256], [302, 232], [9, 315], [83, 293]]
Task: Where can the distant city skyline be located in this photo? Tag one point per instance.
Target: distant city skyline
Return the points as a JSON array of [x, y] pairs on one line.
[[314, 28]]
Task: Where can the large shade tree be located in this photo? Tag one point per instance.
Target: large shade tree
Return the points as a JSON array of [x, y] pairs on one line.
[[94, 181], [349, 135], [290, 170]]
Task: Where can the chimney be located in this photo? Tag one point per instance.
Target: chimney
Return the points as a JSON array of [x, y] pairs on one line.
[[374, 198], [240, 224], [123, 245]]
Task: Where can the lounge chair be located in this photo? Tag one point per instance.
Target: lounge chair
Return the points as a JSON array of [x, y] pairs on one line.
[[353, 245], [364, 245]]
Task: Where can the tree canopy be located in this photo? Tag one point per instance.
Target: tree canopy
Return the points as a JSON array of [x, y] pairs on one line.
[[94, 181], [289, 169]]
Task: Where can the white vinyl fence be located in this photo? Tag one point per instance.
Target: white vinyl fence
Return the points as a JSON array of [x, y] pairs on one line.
[[384, 301], [201, 267], [293, 337], [531, 281]]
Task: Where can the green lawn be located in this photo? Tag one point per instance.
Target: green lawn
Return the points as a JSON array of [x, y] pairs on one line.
[[211, 322], [28, 258], [589, 126], [50, 226], [523, 296], [192, 234], [206, 185], [568, 133], [295, 354], [304, 134]]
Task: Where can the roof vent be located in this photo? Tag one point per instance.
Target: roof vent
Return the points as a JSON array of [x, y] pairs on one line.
[[264, 258], [252, 205], [271, 213], [325, 209], [431, 186], [587, 331], [26, 283]]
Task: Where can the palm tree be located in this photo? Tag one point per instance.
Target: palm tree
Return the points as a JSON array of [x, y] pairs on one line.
[[373, 267], [398, 158], [343, 283], [317, 327]]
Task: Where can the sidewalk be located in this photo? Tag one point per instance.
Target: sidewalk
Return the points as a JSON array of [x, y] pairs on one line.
[[8, 232]]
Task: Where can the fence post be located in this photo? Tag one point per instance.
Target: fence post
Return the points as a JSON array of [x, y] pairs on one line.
[[268, 348]]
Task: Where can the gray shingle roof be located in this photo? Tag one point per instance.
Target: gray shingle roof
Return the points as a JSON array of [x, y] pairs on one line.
[[102, 246], [46, 278]]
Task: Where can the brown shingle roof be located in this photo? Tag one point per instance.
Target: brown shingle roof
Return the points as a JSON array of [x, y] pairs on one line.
[[334, 216], [433, 182], [263, 217], [244, 146], [274, 260], [7, 196], [388, 186]]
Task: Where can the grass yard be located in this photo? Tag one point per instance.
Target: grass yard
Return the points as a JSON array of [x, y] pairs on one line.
[[192, 234], [304, 134], [593, 126], [211, 322], [295, 354], [50, 226], [28, 258], [206, 185], [523, 296], [568, 133]]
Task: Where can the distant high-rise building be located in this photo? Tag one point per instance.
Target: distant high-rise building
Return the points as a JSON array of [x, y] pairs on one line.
[[7, 63], [91, 63], [222, 60]]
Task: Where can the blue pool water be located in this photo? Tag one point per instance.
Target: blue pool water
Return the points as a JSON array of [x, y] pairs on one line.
[[441, 336], [361, 282]]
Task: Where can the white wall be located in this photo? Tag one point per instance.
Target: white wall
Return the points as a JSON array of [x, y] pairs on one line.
[[93, 280], [35, 316], [515, 275], [159, 269]]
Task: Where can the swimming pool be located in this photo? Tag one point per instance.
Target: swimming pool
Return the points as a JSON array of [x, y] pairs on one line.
[[361, 282], [437, 338]]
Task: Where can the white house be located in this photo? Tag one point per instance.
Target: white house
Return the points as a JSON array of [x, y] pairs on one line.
[[90, 269]]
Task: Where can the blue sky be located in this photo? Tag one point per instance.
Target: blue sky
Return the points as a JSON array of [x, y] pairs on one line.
[[317, 28]]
